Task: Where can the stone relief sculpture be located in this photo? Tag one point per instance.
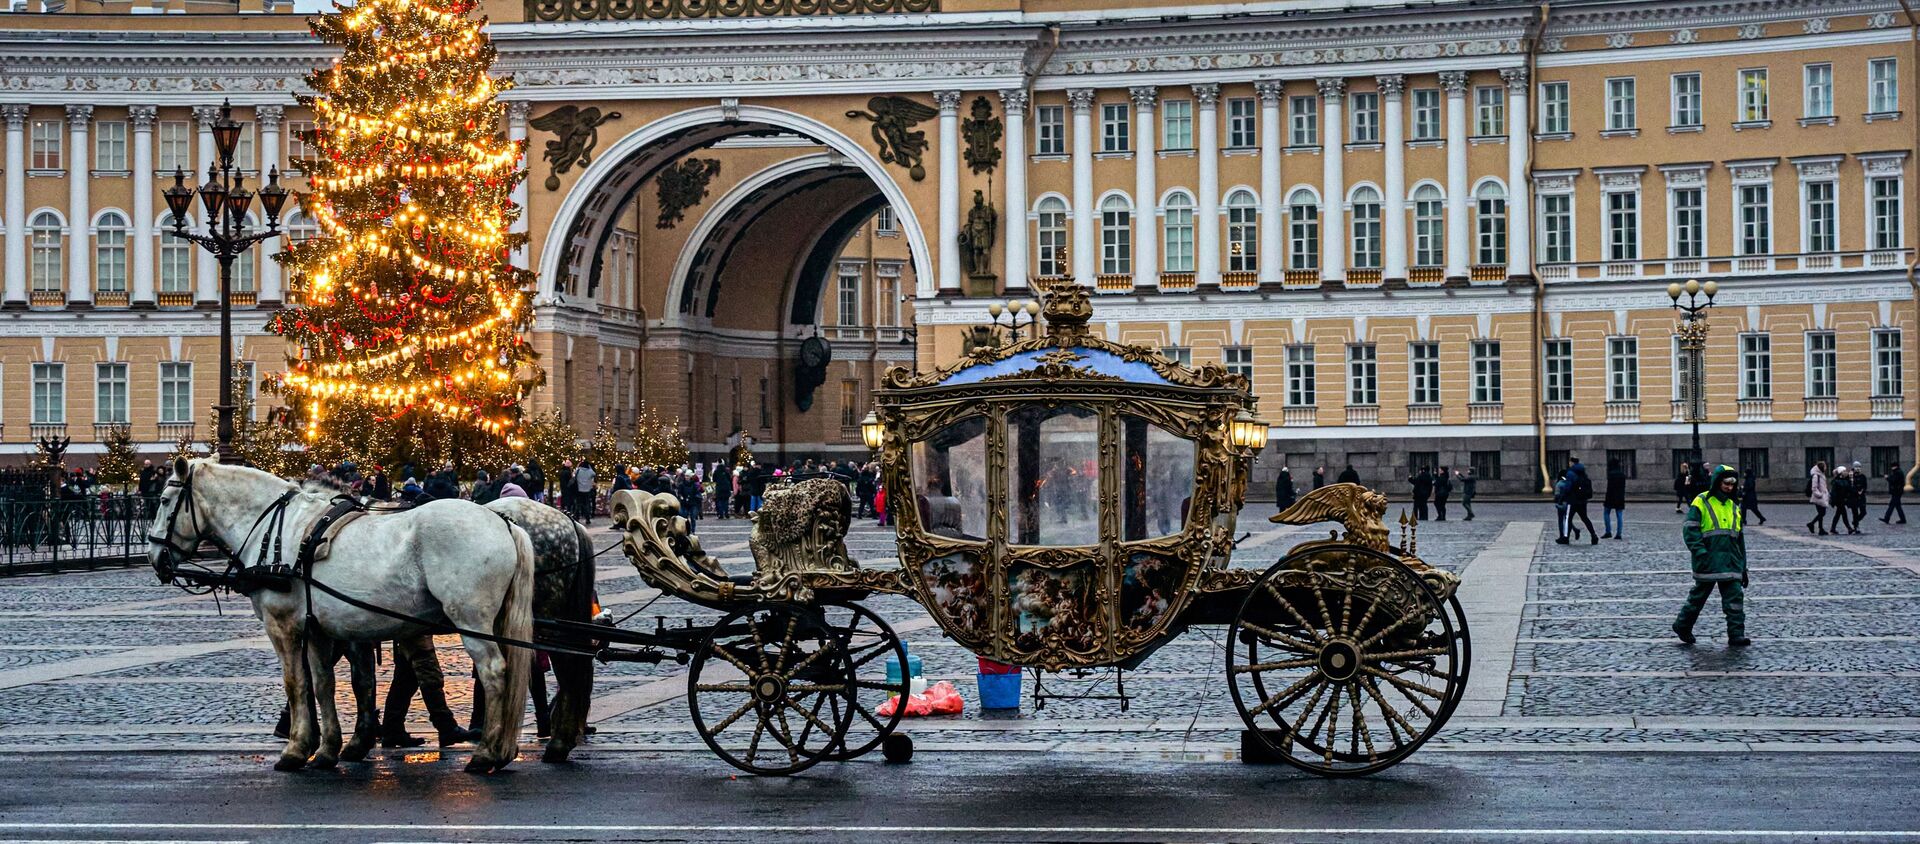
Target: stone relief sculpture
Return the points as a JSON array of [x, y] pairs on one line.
[[576, 130], [893, 134], [682, 186], [982, 130]]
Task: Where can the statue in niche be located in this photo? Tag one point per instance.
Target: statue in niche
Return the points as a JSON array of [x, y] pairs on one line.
[[893, 134], [976, 238], [982, 130], [682, 186], [576, 131]]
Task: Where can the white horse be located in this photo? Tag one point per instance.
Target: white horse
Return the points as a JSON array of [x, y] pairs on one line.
[[447, 562]]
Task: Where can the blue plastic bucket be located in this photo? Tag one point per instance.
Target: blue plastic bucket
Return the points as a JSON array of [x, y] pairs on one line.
[[893, 669], [999, 691]]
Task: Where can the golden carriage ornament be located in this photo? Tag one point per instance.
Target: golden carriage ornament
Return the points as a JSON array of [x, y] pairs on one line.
[[1067, 502]]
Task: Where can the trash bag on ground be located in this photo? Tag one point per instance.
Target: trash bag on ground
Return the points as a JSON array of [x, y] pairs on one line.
[[940, 699]]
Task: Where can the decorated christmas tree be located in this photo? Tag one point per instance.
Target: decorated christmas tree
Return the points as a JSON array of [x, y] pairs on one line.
[[657, 442], [119, 464], [405, 332]]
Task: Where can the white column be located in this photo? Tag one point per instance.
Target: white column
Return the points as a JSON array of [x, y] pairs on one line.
[[1014, 212], [268, 118], [16, 205], [1333, 181], [949, 249], [1394, 240], [79, 206], [141, 259], [1206, 230], [1271, 201], [1457, 221], [1080, 101], [206, 270], [1519, 192], [517, 113], [1146, 187]]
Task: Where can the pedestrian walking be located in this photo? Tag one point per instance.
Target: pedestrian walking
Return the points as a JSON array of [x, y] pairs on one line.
[[1562, 504], [1283, 489], [1861, 485], [1719, 549], [1613, 508], [1319, 477], [1422, 482], [1750, 495], [1442, 490], [1682, 486], [1349, 476], [1467, 482], [722, 491], [1896, 486], [1578, 496], [1819, 496], [584, 490], [1840, 490]]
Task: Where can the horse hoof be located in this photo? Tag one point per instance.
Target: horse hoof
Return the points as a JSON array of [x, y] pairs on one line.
[[354, 753], [556, 756], [324, 763], [477, 765], [290, 763]]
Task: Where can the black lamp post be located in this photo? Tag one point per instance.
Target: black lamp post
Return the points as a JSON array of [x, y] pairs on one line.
[[224, 199], [1693, 341]]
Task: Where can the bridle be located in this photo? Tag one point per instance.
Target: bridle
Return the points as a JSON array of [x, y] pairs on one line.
[[177, 555], [173, 554]]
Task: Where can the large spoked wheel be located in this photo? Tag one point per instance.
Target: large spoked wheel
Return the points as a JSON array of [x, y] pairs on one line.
[[767, 690], [869, 641], [1344, 664]]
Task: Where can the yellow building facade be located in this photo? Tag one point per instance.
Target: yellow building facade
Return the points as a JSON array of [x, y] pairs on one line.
[[1430, 236]]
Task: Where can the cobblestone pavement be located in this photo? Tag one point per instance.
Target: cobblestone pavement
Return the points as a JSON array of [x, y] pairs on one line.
[[93, 660]]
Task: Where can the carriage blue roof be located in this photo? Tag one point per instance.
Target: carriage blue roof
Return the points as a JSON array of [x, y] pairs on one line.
[[1096, 361]]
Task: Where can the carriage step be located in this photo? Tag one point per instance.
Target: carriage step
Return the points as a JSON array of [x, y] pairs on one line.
[[649, 656], [1253, 751]]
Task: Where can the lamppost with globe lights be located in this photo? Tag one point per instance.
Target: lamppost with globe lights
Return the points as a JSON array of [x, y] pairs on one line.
[[225, 200], [1693, 342], [1014, 310]]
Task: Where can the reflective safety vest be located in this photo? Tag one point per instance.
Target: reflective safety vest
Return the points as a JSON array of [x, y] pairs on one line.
[[1713, 535]]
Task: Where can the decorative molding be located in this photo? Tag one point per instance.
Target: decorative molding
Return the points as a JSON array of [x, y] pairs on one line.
[[1331, 87], [1880, 20], [1391, 85], [1553, 44], [1515, 77], [947, 100], [1270, 91], [1080, 99], [1206, 94], [1753, 31], [519, 110], [79, 115], [269, 117], [565, 10], [1686, 175], [1619, 178], [1013, 101], [1144, 96], [1752, 170], [15, 115], [1454, 82], [1683, 36], [730, 109], [1817, 26], [1620, 40], [982, 130], [142, 117], [1883, 163], [205, 115], [1558, 181], [1815, 167]]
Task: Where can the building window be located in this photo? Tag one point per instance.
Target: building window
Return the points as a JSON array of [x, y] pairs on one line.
[[766, 404], [1182, 355], [1553, 108], [1679, 369], [1626, 460], [1753, 95], [1559, 357], [1818, 98], [1363, 383], [1176, 124], [1822, 365], [1623, 226], [1490, 203], [297, 149], [243, 270], [1686, 99], [1486, 465], [1115, 127], [1426, 114], [1303, 230], [1050, 236], [1486, 371], [1243, 121], [884, 222], [1365, 119], [1883, 459], [1755, 463], [46, 145], [1116, 236], [1819, 215], [849, 311], [887, 308], [1366, 229], [1689, 223], [1621, 99], [1239, 361], [1883, 81], [1300, 387], [1049, 131], [1429, 227], [176, 392], [1178, 232], [1490, 111], [849, 403], [49, 394], [110, 394], [1887, 196], [110, 253], [47, 246], [175, 138], [1817, 454], [1556, 228], [1756, 224], [1423, 373], [1305, 121], [300, 228], [243, 156], [1623, 369], [1243, 232], [1887, 380], [176, 259], [1756, 367], [110, 145]]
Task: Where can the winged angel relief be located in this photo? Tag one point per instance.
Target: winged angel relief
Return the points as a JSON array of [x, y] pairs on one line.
[[893, 121], [576, 131]]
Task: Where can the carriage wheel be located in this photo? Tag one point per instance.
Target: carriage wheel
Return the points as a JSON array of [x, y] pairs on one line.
[[763, 690], [1346, 670], [869, 641]]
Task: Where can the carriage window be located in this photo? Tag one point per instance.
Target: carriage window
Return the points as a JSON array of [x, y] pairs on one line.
[[1054, 477], [1158, 468], [950, 480]]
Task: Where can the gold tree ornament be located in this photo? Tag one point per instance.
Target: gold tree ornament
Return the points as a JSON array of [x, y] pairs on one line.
[[119, 464], [657, 442]]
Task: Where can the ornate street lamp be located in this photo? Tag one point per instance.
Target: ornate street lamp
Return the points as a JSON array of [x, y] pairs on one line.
[[1014, 310], [225, 200], [1693, 343]]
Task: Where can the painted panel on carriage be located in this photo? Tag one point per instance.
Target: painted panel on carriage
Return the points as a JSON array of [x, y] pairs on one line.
[[1050, 603], [1147, 589], [959, 592], [1099, 363]]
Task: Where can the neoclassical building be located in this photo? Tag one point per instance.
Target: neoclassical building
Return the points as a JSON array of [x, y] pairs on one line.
[[1436, 235]]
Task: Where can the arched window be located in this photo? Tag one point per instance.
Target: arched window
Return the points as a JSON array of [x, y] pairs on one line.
[[110, 253], [44, 231], [1491, 208], [243, 265], [1116, 236], [301, 229], [1429, 227], [1050, 236], [1243, 232], [1179, 232], [176, 258], [1366, 228], [1303, 230]]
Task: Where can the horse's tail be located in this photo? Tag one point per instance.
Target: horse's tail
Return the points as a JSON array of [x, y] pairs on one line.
[[516, 622]]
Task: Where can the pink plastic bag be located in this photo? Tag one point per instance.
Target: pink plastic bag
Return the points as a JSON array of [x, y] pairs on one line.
[[941, 699]]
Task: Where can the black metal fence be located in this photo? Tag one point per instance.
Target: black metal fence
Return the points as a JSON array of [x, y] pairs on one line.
[[48, 535]]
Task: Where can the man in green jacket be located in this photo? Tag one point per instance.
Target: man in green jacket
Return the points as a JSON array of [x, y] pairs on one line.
[[1719, 551]]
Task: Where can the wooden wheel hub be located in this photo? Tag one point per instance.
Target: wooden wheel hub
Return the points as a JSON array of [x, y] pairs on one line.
[[1339, 660], [769, 688]]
